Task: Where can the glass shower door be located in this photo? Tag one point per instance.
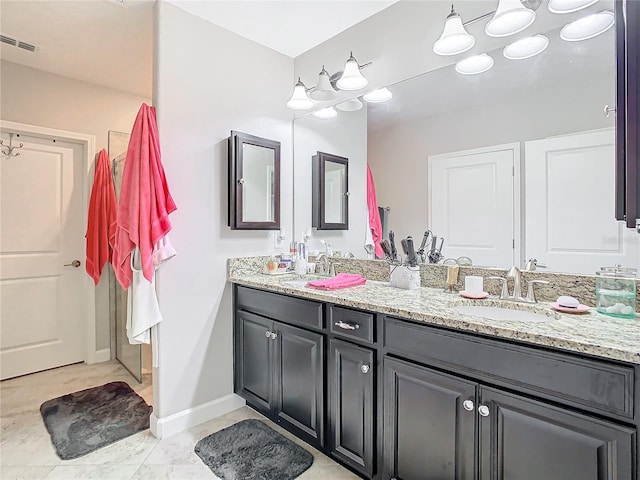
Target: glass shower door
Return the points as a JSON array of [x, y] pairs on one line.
[[130, 356]]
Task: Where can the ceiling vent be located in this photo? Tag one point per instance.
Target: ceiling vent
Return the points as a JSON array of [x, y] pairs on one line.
[[17, 43]]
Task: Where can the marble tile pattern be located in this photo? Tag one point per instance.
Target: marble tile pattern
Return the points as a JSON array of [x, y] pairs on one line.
[[590, 333], [26, 452]]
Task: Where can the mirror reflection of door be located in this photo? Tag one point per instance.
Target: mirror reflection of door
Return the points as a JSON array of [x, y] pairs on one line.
[[258, 167], [334, 188]]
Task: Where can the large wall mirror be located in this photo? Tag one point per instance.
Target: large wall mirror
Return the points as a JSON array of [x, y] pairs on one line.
[[254, 182], [514, 163]]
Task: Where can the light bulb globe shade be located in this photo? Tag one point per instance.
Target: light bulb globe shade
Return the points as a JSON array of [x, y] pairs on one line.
[[378, 96], [588, 27], [526, 48], [351, 78], [511, 17], [325, 113], [350, 105], [454, 38], [569, 6], [323, 90], [474, 65], [299, 100]]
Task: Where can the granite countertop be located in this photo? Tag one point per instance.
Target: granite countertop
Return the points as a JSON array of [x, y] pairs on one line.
[[590, 333]]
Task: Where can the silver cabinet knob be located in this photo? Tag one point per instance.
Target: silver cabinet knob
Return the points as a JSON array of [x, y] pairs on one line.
[[347, 325], [483, 410], [74, 264], [241, 181], [364, 368], [267, 334], [273, 336], [468, 405]]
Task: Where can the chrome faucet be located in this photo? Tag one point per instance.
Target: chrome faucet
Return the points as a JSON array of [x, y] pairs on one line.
[[516, 296], [324, 265]]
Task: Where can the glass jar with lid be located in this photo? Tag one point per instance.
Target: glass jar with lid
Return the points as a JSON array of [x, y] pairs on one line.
[[616, 291]]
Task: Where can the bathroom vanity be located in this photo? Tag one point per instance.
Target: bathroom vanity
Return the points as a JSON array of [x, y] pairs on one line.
[[399, 384]]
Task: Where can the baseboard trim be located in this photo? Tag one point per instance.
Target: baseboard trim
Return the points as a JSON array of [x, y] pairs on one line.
[[103, 355], [181, 421]]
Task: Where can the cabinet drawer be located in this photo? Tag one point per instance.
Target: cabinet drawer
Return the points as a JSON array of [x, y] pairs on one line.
[[595, 385], [351, 323], [296, 311]]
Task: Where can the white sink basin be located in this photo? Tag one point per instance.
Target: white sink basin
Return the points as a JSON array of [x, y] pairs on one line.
[[498, 313]]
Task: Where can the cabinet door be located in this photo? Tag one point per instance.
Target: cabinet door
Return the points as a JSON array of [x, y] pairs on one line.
[[528, 440], [350, 377], [253, 360], [299, 374], [428, 431]]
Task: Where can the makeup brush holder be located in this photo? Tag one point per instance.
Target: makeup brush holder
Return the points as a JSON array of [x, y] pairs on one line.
[[405, 277]]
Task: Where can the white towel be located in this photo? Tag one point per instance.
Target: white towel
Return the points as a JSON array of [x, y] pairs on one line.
[[143, 311]]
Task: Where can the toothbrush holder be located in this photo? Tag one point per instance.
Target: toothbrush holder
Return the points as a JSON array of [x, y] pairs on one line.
[[405, 277]]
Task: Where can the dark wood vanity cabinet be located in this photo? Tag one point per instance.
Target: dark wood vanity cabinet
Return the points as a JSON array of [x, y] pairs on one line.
[[351, 375], [279, 370], [397, 399]]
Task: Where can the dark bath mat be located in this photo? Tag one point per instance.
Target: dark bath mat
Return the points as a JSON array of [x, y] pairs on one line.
[[250, 450], [84, 421]]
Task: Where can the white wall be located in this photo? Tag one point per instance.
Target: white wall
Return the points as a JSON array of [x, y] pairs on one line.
[[345, 136], [207, 82], [40, 98]]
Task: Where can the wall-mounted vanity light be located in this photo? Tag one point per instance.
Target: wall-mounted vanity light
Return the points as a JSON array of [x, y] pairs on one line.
[[511, 17], [325, 113], [299, 100], [474, 65], [350, 105], [378, 96], [569, 6], [588, 27], [351, 78], [454, 38], [325, 89], [526, 47]]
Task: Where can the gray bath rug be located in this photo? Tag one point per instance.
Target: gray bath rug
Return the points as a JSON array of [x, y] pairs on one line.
[[84, 421], [250, 450]]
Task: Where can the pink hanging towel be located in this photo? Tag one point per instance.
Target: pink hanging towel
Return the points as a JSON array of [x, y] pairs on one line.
[[101, 221], [374, 215], [342, 280], [145, 202]]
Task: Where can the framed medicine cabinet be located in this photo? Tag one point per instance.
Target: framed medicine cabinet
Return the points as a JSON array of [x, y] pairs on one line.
[[330, 192], [254, 182]]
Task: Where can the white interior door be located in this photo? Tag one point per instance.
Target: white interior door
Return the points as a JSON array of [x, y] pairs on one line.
[[471, 203], [569, 204], [44, 303]]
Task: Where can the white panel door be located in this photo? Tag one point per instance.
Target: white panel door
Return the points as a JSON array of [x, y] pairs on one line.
[[569, 204], [43, 306], [472, 205]]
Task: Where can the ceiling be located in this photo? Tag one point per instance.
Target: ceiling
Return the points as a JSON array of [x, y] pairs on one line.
[[108, 43]]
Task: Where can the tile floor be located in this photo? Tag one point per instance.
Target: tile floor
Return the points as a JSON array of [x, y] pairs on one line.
[[26, 452]]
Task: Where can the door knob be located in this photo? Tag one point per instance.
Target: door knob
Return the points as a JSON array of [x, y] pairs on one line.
[[274, 336], [467, 405], [267, 334], [74, 264], [483, 410], [364, 368]]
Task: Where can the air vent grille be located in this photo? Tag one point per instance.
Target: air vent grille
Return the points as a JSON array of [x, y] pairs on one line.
[[17, 43], [27, 46], [8, 40]]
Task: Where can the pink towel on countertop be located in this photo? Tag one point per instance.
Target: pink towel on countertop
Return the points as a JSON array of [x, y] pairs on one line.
[[101, 221], [342, 280], [145, 202], [374, 215]]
